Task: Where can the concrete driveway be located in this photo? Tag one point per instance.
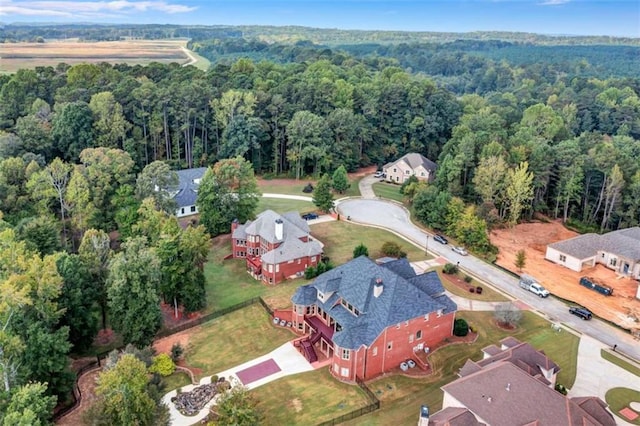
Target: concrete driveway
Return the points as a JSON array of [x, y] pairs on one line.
[[394, 217]]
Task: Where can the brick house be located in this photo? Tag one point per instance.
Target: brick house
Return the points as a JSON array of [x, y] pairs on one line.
[[276, 247], [408, 165], [368, 318], [514, 385]]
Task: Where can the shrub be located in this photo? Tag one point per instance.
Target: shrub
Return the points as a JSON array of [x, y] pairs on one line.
[[310, 273], [176, 351], [460, 327], [472, 290], [479, 290], [467, 279], [472, 328], [391, 249], [360, 250], [561, 388], [163, 365], [308, 189], [450, 269]]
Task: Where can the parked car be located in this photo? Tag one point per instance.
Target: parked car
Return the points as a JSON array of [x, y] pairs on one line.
[[309, 216], [583, 313], [460, 250], [378, 174], [439, 238]]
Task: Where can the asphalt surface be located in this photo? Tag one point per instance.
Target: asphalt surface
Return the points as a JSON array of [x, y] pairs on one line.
[[394, 217]]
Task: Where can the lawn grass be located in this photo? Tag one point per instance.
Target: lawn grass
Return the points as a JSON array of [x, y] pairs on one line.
[[233, 339], [177, 380], [619, 398], [388, 190], [282, 205], [402, 396], [279, 186], [341, 237], [307, 398], [228, 283], [488, 294], [620, 363]]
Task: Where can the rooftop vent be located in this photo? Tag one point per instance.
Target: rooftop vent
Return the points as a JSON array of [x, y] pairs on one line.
[[377, 288]]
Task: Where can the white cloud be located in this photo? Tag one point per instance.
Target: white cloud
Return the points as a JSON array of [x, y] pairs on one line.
[[88, 8], [553, 2]]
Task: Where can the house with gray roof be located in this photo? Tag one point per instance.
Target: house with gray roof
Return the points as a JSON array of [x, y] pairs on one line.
[[275, 246], [187, 192], [617, 250], [368, 318], [412, 164], [514, 386]]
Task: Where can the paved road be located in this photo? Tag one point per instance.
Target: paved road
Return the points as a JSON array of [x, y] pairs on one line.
[[395, 218]]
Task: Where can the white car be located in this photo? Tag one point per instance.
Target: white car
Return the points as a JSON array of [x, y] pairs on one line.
[[378, 175], [460, 250]]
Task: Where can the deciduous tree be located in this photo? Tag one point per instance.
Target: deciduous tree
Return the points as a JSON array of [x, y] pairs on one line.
[[519, 191], [159, 182]]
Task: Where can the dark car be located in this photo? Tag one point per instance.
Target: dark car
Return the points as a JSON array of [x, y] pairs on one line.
[[583, 313], [439, 238], [309, 216]]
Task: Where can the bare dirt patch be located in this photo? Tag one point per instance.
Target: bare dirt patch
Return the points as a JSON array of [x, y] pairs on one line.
[[621, 308]]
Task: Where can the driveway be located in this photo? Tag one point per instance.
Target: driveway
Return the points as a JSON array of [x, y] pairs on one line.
[[394, 217]]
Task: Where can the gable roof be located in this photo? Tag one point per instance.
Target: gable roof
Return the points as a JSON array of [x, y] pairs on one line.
[[454, 416], [623, 242], [521, 354], [402, 299], [503, 394], [414, 160], [187, 188]]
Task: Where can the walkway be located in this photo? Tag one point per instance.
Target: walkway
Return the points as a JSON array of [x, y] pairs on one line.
[[597, 375], [281, 362]]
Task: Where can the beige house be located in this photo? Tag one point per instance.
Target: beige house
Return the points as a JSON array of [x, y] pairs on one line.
[[412, 164], [514, 385]]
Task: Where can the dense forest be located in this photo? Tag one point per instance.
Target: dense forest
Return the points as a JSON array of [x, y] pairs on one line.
[[84, 149]]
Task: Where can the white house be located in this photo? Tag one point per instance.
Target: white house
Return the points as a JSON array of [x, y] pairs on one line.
[[187, 193], [617, 250], [412, 164]]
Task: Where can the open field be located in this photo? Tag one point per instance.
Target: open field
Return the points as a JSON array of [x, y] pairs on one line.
[[307, 398], [283, 205], [620, 308], [51, 53], [402, 396], [388, 190]]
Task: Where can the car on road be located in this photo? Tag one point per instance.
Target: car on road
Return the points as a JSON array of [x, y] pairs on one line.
[[378, 174], [309, 216], [439, 238], [460, 250], [583, 313]]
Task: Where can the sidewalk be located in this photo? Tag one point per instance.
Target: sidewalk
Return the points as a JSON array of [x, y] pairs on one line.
[[281, 362]]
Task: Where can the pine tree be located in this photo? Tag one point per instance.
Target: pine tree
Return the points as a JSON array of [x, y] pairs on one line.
[[340, 180], [322, 196]]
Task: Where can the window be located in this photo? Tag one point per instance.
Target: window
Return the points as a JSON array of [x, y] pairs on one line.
[[344, 372], [374, 352], [346, 353], [278, 267], [182, 210], [419, 334], [398, 326], [426, 317], [411, 338], [193, 209], [563, 258], [407, 172], [394, 170], [421, 173], [406, 323], [313, 259], [439, 313], [613, 262], [270, 269], [389, 346]]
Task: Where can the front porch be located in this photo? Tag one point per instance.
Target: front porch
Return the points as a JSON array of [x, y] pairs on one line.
[[318, 343]]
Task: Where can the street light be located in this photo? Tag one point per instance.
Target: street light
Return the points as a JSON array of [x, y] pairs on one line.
[[426, 247]]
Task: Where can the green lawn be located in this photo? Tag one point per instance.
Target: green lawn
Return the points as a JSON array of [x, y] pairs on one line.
[[341, 237], [620, 362], [402, 396], [282, 205], [277, 186], [619, 398], [488, 294], [388, 190], [177, 380], [233, 339], [307, 398]]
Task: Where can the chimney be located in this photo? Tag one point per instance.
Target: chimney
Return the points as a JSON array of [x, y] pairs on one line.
[[508, 388], [377, 288], [424, 416], [234, 225], [279, 232]]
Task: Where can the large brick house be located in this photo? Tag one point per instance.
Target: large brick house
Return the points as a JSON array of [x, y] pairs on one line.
[[408, 165], [368, 318], [276, 247], [514, 385]]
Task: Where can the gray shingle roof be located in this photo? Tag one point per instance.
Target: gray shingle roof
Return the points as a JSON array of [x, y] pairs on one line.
[[187, 188], [623, 242], [401, 299], [414, 160]]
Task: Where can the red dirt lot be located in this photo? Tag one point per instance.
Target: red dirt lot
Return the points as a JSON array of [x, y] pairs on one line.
[[621, 308]]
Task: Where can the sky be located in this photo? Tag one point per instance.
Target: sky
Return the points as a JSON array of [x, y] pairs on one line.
[[566, 17]]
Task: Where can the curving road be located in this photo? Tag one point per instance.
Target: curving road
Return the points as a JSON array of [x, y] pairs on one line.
[[394, 217]]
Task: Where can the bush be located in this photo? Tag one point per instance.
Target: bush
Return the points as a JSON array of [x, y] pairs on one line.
[[163, 365], [472, 329], [479, 290], [561, 388], [460, 327], [308, 189], [467, 279], [176, 352], [392, 249], [472, 290], [450, 269]]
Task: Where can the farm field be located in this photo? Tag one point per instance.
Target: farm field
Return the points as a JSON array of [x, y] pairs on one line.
[[30, 55], [621, 308]]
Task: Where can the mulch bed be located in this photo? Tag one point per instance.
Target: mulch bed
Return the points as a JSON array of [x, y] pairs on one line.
[[458, 282]]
